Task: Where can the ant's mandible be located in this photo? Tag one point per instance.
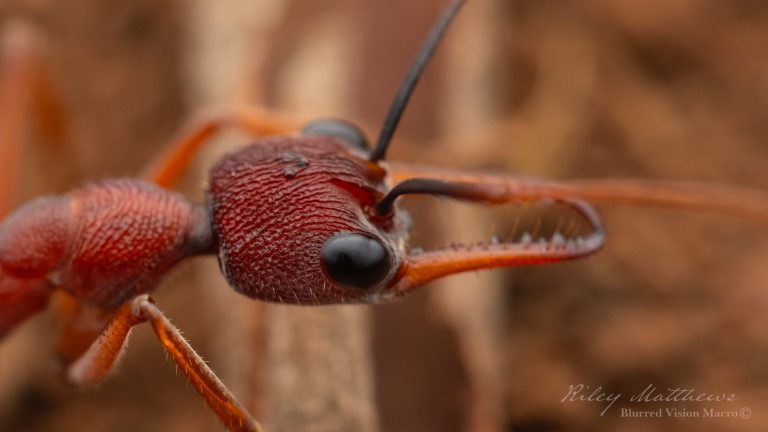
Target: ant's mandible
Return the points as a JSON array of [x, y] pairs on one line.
[[308, 218]]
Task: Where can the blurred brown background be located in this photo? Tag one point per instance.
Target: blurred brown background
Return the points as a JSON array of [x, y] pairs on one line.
[[653, 89]]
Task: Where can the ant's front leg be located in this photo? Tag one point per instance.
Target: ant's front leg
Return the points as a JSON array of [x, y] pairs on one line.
[[100, 359], [24, 84], [172, 163], [728, 200]]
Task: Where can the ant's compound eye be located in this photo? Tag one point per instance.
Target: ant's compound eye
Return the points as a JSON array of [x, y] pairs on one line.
[[343, 130], [355, 260]]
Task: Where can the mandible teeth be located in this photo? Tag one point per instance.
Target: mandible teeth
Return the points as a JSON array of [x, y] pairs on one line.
[[557, 239]]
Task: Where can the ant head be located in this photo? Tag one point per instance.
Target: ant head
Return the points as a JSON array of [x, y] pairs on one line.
[[304, 219], [310, 219], [294, 219]]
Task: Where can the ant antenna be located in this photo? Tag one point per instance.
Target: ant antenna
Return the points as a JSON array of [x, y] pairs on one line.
[[466, 191], [411, 78]]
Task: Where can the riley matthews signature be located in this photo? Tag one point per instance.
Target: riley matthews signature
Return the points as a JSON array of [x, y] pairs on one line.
[[585, 393]]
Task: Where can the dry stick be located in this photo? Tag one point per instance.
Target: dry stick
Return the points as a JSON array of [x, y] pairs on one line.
[[317, 370]]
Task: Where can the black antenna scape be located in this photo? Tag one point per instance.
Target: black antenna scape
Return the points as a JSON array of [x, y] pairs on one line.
[[412, 78]]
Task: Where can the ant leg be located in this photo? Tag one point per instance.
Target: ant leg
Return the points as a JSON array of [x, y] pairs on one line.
[[14, 97], [79, 325], [19, 299], [99, 360], [175, 159], [419, 269], [23, 82], [728, 200]]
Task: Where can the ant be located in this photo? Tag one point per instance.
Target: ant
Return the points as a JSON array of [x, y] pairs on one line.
[[309, 218]]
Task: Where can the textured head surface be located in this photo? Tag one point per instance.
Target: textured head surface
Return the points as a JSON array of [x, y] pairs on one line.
[[275, 203]]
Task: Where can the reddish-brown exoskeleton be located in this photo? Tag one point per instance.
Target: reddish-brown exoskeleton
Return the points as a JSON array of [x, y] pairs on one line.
[[307, 218]]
